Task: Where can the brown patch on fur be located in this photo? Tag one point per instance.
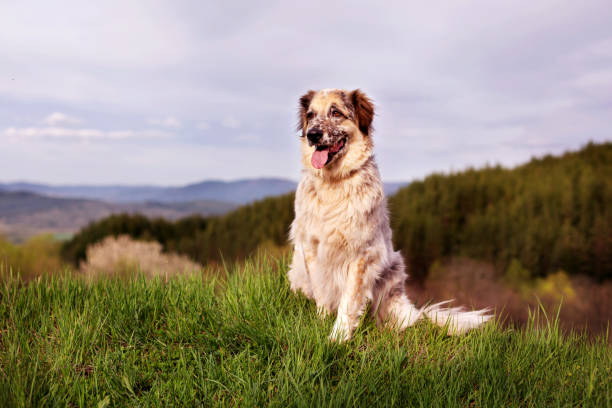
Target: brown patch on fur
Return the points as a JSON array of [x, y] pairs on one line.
[[304, 104], [338, 239], [309, 258], [314, 243], [364, 110], [361, 266], [360, 271]]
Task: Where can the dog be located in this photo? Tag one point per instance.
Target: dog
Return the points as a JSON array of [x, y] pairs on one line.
[[343, 257]]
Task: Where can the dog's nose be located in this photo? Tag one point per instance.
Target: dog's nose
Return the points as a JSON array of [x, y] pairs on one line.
[[314, 135]]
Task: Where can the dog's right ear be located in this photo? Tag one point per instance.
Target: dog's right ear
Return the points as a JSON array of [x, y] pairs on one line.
[[303, 109]]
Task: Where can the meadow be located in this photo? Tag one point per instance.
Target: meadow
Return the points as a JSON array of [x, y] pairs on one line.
[[240, 337]]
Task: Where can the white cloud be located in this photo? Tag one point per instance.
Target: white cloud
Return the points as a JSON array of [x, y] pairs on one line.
[[168, 121], [230, 122], [13, 133], [599, 50], [595, 79], [203, 126], [58, 118], [247, 137]]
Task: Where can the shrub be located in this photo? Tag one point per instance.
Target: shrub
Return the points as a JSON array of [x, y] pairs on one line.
[[125, 256], [37, 256]]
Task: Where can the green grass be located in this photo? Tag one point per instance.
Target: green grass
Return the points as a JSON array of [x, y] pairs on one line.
[[248, 341]]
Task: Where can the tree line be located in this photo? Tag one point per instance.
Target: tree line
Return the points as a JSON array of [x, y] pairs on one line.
[[204, 239]]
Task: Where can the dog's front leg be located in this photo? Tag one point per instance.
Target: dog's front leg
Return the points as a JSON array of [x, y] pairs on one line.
[[353, 302], [299, 275]]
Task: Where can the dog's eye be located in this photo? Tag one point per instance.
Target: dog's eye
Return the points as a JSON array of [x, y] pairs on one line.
[[337, 114], [310, 115]]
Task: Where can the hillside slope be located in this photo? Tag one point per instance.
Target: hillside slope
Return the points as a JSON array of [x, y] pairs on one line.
[[553, 213]]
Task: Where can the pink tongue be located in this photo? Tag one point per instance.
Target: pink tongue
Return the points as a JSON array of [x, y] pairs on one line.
[[319, 158]]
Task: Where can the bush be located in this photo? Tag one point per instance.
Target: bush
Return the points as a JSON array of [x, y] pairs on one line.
[[37, 256], [126, 257]]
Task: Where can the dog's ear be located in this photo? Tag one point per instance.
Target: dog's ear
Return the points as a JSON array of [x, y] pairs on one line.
[[364, 111], [303, 109]]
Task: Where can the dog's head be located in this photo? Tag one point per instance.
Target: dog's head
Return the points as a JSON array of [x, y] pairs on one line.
[[336, 128]]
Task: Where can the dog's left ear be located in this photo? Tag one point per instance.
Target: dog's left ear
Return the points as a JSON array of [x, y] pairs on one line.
[[364, 111], [303, 108]]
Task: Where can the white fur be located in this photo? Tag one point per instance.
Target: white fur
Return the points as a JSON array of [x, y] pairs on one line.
[[343, 255]]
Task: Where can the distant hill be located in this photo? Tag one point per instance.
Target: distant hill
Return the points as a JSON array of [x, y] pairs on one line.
[[391, 188], [23, 213], [238, 192]]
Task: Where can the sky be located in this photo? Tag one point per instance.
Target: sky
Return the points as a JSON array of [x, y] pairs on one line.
[[174, 92]]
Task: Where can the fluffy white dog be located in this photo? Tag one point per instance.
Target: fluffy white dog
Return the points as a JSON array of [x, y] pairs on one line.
[[343, 256]]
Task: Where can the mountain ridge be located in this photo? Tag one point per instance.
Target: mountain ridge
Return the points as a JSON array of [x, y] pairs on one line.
[[24, 213], [240, 191]]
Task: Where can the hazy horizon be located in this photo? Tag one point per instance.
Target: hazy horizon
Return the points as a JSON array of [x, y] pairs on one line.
[[166, 94]]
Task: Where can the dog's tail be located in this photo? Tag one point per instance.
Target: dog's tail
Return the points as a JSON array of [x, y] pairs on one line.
[[456, 319]]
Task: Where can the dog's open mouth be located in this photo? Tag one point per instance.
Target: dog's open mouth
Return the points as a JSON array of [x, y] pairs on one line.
[[324, 154]]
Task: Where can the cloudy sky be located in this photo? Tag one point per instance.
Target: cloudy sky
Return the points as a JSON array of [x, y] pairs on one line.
[[175, 92]]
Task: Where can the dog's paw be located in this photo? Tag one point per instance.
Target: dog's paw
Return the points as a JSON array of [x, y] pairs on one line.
[[340, 332]]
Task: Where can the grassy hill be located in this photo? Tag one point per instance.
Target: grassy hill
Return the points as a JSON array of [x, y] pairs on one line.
[[245, 340]]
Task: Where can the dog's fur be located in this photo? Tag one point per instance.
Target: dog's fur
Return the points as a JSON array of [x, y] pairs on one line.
[[343, 256]]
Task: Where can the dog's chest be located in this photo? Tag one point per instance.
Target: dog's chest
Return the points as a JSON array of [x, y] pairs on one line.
[[333, 218], [329, 206]]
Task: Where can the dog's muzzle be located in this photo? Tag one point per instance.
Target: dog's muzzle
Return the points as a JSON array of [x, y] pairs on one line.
[[314, 136]]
